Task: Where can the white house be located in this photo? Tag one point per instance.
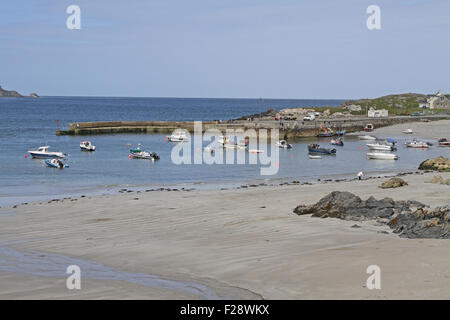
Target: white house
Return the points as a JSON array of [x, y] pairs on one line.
[[380, 113], [437, 101]]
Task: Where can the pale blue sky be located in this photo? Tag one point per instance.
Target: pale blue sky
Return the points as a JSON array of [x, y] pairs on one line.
[[226, 48]]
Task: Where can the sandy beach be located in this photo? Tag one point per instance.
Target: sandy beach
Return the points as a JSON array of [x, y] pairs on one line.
[[239, 243]]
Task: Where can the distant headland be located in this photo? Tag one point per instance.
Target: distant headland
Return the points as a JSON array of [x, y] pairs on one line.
[[14, 94]]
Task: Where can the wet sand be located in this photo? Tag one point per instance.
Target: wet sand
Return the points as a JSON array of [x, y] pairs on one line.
[[240, 243]]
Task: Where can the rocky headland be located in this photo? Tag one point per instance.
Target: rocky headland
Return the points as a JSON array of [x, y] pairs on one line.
[[14, 94]]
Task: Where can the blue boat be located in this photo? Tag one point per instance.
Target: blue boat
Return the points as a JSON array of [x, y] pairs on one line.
[[315, 148], [340, 133], [55, 163]]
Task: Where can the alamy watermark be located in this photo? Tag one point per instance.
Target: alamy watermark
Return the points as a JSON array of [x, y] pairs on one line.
[[374, 280], [73, 22], [374, 20], [240, 146], [74, 280]]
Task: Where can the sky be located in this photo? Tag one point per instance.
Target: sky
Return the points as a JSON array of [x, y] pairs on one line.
[[306, 49]]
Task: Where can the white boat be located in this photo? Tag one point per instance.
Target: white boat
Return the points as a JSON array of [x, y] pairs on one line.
[[382, 156], [367, 137], [178, 136], [255, 151], [86, 146], [380, 147], [408, 131], [283, 144], [314, 157], [43, 153], [417, 144]]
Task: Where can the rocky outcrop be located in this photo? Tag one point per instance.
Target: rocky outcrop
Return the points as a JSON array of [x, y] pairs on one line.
[[9, 93], [14, 94], [393, 183], [411, 219], [436, 164]]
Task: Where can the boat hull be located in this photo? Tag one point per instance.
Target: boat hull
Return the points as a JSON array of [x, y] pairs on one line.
[[46, 156], [382, 156]]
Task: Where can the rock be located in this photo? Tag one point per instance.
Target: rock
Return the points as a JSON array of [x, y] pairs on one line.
[[409, 219], [436, 179], [436, 164], [447, 182], [393, 183]]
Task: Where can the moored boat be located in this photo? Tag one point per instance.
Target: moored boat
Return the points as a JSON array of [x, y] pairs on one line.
[[55, 163], [43, 153], [86, 146], [283, 144], [368, 127], [380, 147], [178, 136], [417, 144], [408, 131], [443, 142], [381, 156], [325, 132], [315, 148], [337, 142], [367, 137], [145, 155]]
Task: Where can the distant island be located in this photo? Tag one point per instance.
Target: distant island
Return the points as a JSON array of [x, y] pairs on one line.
[[14, 94]]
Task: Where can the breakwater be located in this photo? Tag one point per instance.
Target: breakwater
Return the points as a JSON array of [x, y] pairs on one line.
[[288, 129]]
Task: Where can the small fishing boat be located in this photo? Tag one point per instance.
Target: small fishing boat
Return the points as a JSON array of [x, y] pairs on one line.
[[145, 155], [283, 144], [178, 136], [367, 137], [381, 156], [43, 153], [325, 132], [443, 142], [368, 127], [314, 157], [56, 163], [86, 146], [315, 148], [380, 147], [337, 142], [417, 144], [408, 131]]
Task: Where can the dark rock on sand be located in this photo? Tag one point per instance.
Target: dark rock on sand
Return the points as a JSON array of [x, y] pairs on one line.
[[410, 219], [436, 164], [393, 183]]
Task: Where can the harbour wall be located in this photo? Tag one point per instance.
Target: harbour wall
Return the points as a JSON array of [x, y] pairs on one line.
[[288, 129]]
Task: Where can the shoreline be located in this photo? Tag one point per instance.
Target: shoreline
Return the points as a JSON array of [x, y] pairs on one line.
[[95, 191]]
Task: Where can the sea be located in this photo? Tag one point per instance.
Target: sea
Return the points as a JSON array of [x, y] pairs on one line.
[[27, 123]]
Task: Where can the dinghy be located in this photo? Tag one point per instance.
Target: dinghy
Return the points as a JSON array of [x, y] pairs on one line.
[[178, 136], [283, 144], [367, 137], [443, 142], [382, 156], [315, 148], [337, 142], [86, 146], [408, 131], [56, 163]]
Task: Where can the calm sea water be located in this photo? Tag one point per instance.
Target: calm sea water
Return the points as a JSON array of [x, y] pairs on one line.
[[26, 124]]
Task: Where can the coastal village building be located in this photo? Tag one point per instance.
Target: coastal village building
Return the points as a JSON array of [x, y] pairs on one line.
[[436, 101], [380, 113]]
